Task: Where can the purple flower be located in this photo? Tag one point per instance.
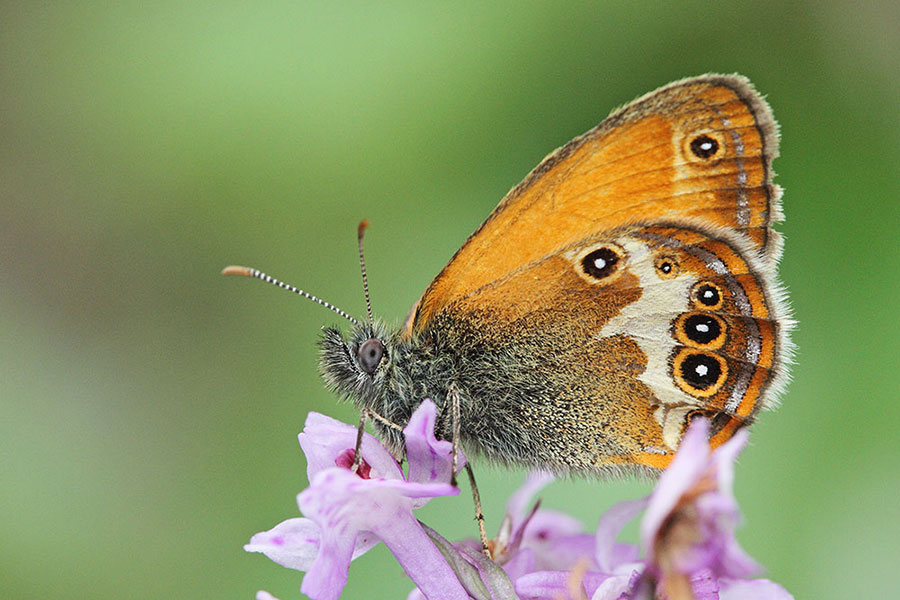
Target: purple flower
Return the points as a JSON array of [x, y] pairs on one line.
[[751, 589], [542, 553], [550, 539], [551, 556], [348, 513], [690, 520], [687, 529]]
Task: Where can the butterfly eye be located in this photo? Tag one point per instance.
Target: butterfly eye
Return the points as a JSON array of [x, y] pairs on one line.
[[600, 263], [370, 354]]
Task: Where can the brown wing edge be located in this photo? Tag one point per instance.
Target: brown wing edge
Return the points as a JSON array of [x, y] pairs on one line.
[[763, 118]]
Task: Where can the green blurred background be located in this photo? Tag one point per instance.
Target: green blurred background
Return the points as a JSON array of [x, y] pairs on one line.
[[150, 407]]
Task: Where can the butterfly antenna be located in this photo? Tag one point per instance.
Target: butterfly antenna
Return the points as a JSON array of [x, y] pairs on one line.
[[360, 231], [248, 272]]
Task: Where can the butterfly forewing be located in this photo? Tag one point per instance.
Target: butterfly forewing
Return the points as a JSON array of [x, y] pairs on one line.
[[699, 148]]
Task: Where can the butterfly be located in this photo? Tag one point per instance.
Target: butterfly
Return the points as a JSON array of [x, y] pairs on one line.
[[625, 287]]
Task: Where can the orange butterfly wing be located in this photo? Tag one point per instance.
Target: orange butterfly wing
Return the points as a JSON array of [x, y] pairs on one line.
[[697, 149]]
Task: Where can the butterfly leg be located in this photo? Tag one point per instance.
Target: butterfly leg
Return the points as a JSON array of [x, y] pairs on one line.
[[479, 515], [376, 417], [476, 498], [364, 416], [455, 410], [357, 455]]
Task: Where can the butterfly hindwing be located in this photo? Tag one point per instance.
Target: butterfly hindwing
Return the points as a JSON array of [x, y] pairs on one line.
[[609, 346]]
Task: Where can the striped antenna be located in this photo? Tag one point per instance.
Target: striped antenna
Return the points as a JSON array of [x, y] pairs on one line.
[[362, 265], [248, 272]]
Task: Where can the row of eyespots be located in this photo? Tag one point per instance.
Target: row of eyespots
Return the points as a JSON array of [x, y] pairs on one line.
[[697, 372], [696, 369]]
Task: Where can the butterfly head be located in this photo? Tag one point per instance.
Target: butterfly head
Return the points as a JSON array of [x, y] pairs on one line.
[[358, 367]]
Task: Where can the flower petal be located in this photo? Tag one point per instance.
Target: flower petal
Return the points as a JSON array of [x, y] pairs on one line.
[[704, 585], [610, 554], [752, 589], [614, 587], [556, 584], [344, 506], [692, 514], [725, 457], [522, 562], [430, 459], [325, 439], [560, 551], [519, 504], [421, 559], [554, 538], [689, 464], [295, 544], [326, 577]]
